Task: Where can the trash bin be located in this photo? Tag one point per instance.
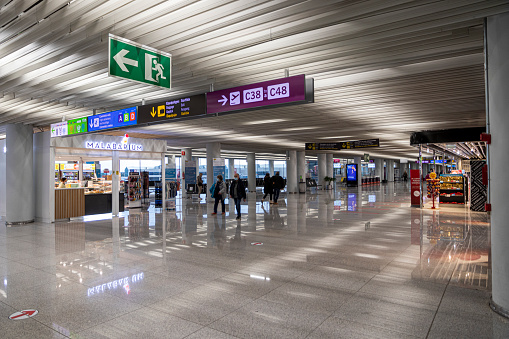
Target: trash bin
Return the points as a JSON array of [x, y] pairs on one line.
[[302, 187]]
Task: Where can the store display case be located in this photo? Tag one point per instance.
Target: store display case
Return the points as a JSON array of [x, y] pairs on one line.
[[452, 189], [134, 189]]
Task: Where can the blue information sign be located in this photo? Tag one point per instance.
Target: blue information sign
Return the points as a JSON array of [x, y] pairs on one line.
[[115, 119]]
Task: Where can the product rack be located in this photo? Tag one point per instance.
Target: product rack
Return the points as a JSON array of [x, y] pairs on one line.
[[452, 189], [134, 189]]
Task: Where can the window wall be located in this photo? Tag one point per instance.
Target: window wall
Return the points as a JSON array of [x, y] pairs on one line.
[[240, 166], [262, 167], [280, 166]]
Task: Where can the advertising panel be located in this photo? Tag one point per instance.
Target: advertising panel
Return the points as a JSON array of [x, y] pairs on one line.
[[273, 92], [415, 183], [351, 172]]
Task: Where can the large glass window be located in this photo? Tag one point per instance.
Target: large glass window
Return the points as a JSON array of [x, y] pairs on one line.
[[280, 166], [240, 166], [262, 167], [202, 164], [227, 169], [313, 169], [153, 167]]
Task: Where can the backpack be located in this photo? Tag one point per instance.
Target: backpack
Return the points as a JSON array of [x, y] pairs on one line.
[[212, 189]]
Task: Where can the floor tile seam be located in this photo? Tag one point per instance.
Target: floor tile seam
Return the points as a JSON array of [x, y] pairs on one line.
[[116, 317], [51, 328], [438, 307]]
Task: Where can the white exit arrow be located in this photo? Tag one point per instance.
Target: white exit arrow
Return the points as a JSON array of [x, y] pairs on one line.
[[224, 100], [122, 60]]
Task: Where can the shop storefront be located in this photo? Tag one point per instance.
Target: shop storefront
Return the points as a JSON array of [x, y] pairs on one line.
[[82, 183]]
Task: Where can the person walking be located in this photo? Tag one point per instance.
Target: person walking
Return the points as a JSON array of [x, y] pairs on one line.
[[237, 192], [219, 194], [267, 187], [277, 184], [199, 181], [405, 176]]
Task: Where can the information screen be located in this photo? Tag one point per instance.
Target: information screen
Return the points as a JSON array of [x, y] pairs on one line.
[[273, 92], [173, 109], [351, 172], [115, 119]]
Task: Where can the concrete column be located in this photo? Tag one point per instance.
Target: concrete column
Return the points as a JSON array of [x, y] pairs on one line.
[[115, 183], [2, 177], [357, 160], [213, 151], [271, 167], [19, 161], [19, 174], [497, 56], [390, 170], [231, 168], [44, 178], [80, 170], [163, 182], [197, 159], [301, 166], [379, 168], [291, 172], [330, 164], [251, 172], [171, 164], [188, 154], [322, 169]]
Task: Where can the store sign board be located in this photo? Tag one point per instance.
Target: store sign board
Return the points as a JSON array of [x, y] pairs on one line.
[[133, 61], [77, 126], [173, 109], [59, 130], [336, 146], [115, 119], [273, 92], [113, 146]]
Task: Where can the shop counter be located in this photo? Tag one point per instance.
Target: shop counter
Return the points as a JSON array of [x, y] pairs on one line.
[[98, 203], [69, 203]]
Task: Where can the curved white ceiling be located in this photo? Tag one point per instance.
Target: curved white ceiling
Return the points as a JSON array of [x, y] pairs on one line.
[[382, 68]]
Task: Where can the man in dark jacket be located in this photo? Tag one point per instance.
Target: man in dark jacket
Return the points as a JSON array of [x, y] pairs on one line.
[[237, 192], [277, 184]]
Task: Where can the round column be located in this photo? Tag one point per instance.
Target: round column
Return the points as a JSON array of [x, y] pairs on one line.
[[188, 155], [251, 172], [301, 166], [322, 169], [213, 151], [358, 161], [291, 172], [19, 191], [498, 124], [330, 164]]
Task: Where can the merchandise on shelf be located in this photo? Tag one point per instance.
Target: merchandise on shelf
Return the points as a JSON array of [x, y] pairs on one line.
[[452, 189], [134, 193]]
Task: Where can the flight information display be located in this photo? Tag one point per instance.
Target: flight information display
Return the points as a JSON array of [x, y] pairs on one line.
[[173, 109], [115, 119]]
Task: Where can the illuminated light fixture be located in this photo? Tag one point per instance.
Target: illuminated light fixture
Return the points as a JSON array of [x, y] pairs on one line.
[[268, 121], [298, 128], [259, 277]]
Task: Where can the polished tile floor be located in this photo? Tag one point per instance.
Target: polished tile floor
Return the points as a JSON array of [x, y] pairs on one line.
[[349, 263]]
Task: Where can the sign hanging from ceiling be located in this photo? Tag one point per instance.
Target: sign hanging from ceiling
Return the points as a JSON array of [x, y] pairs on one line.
[[273, 92], [133, 61], [115, 119], [336, 146], [173, 109], [77, 126]]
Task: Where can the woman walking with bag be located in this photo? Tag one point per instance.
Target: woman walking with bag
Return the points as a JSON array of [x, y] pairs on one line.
[[219, 194]]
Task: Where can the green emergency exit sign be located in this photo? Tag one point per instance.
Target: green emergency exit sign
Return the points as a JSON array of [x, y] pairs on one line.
[[130, 60]]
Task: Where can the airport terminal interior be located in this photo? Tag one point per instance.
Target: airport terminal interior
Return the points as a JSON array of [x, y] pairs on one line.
[[254, 169]]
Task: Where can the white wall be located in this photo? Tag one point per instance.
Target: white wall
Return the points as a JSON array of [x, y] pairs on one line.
[[2, 178], [44, 165]]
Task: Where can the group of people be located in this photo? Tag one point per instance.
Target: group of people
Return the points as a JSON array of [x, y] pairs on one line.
[[272, 186], [237, 193]]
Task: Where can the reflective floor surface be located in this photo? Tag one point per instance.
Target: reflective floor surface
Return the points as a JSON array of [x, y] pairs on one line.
[[349, 263]]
